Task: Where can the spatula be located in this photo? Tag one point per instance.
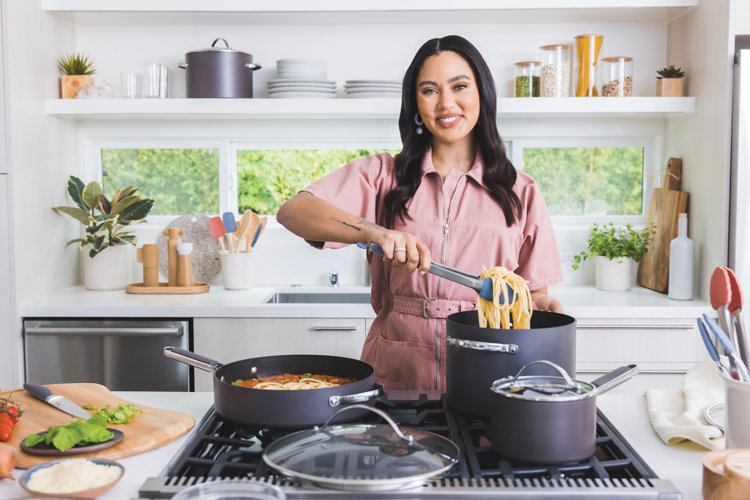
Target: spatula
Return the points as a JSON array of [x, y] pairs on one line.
[[254, 225], [735, 308], [216, 226], [243, 228], [711, 348], [230, 226], [483, 287], [721, 296], [735, 361], [259, 231]]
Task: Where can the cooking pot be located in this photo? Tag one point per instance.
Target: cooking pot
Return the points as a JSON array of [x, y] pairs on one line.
[[477, 356], [219, 72], [549, 419], [284, 409]]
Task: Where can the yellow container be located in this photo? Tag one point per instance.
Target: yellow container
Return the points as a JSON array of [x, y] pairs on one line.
[[587, 49]]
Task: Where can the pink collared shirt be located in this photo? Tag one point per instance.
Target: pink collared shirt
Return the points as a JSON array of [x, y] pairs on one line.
[[463, 228]]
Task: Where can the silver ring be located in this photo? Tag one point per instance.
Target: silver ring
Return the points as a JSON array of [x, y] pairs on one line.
[[399, 249]]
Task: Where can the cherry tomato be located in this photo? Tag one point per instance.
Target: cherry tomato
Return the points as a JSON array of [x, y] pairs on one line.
[[5, 431]]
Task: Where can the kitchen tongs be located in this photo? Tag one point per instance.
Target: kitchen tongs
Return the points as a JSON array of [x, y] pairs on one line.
[[483, 287]]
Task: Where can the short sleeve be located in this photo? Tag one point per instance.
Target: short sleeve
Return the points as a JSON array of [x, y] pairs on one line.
[[539, 259], [357, 188]]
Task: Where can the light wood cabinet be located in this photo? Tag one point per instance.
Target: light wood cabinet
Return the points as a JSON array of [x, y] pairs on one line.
[[232, 339]]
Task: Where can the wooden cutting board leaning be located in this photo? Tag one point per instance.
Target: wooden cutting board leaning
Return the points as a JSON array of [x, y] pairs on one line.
[[148, 430], [666, 205]]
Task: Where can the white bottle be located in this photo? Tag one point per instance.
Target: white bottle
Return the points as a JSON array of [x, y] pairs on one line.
[[681, 263]]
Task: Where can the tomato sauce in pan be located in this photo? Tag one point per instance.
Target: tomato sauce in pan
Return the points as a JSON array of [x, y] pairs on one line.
[[293, 382]]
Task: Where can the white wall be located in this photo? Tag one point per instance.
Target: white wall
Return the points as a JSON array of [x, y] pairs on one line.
[[702, 43]]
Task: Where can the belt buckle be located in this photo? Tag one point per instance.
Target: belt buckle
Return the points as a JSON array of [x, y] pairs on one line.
[[424, 309]]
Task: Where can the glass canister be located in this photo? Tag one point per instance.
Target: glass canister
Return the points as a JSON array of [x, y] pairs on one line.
[[615, 76], [587, 49], [527, 78], [555, 71]]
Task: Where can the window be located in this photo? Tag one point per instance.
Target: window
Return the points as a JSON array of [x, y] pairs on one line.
[[601, 180]]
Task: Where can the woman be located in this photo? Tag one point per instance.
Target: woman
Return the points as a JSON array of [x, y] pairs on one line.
[[452, 195]]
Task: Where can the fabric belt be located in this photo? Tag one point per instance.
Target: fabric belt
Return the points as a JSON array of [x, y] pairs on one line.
[[430, 308]]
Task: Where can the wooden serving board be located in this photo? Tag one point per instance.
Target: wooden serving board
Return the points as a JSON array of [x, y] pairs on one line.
[[666, 205], [148, 430], [164, 288]]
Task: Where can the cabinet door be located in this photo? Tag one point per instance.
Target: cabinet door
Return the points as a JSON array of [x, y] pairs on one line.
[[8, 336], [232, 339]]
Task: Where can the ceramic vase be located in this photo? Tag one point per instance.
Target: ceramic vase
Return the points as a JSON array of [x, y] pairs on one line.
[[614, 275], [71, 84], [110, 269]]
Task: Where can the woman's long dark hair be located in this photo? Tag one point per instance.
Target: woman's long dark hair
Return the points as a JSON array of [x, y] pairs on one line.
[[499, 174]]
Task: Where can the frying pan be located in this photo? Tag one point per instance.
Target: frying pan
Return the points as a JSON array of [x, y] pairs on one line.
[[285, 409]]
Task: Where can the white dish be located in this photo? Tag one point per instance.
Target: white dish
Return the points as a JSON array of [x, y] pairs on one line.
[[299, 60], [305, 95], [375, 82], [393, 88], [296, 83], [374, 95], [373, 89], [302, 88], [302, 75]]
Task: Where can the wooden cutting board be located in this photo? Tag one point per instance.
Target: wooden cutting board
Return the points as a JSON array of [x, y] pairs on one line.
[[148, 430], [666, 205]]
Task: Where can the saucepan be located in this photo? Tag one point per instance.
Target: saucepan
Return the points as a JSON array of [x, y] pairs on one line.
[[549, 419], [285, 409]]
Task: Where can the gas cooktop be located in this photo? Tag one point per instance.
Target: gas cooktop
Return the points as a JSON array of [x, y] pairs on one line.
[[219, 448]]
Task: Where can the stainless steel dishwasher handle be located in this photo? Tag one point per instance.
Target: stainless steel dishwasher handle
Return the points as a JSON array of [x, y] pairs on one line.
[[335, 328], [105, 331]]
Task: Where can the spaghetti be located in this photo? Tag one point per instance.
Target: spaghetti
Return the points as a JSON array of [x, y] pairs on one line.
[[289, 382], [497, 314]]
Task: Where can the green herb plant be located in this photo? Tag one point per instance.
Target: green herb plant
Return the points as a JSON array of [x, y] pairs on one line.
[[670, 72], [106, 221], [616, 242], [75, 64], [78, 433], [122, 415]]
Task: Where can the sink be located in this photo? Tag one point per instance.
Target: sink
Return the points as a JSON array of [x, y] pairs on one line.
[[314, 297]]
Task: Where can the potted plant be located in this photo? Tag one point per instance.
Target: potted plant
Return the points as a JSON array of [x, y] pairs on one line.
[[108, 233], [615, 250], [76, 70], [669, 82]]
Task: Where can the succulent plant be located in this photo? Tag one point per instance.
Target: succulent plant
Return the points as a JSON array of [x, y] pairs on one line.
[[670, 72], [108, 227], [75, 64]]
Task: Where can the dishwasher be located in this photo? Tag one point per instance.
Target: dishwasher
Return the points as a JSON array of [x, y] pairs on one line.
[[121, 354]]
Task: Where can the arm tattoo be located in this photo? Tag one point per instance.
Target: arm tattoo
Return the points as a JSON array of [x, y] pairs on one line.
[[362, 222]]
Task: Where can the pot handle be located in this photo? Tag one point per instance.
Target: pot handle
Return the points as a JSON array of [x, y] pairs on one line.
[[252, 66], [225, 42], [613, 379], [192, 359], [356, 398], [483, 346], [182, 65], [396, 429]]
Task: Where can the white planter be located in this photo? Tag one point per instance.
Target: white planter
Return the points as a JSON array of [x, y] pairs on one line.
[[614, 275], [109, 270]]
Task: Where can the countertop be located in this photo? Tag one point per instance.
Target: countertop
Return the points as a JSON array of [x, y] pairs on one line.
[[579, 302], [680, 464]]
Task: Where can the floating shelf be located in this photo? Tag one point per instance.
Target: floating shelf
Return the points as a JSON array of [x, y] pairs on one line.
[[344, 108], [230, 12]]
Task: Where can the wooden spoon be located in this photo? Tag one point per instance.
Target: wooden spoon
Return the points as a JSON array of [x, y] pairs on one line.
[[244, 226], [254, 223]]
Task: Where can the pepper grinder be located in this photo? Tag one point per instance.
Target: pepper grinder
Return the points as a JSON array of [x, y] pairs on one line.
[[174, 238], [184, 264], [148, 255]]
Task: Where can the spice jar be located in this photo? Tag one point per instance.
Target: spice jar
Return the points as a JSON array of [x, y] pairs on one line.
[[615, 76], [555, 71], [587, 54], [527, 78]]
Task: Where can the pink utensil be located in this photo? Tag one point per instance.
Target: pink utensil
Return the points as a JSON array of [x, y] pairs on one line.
[[216, 226], [735, 308], [721, 296]]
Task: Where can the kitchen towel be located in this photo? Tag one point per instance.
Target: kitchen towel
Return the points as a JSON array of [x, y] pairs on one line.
[[677, 415]]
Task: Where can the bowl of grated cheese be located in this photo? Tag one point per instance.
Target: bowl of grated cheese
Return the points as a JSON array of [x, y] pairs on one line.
[[72, 477]]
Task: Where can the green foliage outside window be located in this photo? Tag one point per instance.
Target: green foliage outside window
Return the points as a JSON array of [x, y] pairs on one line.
[[267, 178], [181, 181], [588, 181]]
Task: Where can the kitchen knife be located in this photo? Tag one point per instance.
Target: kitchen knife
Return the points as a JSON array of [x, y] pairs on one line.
[[59, 402]]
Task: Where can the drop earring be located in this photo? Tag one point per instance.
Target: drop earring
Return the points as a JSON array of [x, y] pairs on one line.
[[419, 122]]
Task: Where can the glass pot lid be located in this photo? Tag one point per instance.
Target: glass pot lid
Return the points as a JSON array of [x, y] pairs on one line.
[[358, 456], [543, 387]]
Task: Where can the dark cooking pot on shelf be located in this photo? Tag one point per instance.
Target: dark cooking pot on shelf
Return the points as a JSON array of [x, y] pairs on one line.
[[548, 419], [477, 356], [219, 72], [285, 409]]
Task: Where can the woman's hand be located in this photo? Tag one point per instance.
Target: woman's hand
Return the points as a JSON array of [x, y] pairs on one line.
[[540, 301], [402, 249]]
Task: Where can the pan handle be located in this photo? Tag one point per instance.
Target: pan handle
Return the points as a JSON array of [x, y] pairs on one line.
[[613, 379], [192, 359], [362, 397], [483, 346]]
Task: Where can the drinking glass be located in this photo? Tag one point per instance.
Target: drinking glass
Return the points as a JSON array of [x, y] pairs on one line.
[[156, 81], [131, 85]]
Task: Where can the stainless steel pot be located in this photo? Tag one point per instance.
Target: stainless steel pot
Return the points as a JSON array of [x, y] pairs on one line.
[[548, 419], [219, 72]]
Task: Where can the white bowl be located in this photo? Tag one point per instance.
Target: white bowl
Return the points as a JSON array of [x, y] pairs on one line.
[[88, 493]]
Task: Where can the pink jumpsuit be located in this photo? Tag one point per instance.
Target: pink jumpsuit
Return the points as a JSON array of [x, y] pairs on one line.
[[464, 228]]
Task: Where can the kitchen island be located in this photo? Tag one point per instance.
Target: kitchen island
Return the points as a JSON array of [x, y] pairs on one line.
[[680, 464]]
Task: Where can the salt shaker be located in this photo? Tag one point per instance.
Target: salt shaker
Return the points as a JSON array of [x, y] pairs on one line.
[[184, 264]]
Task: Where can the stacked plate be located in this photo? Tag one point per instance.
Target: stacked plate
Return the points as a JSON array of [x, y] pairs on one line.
[[367, 89], [304, 78]]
